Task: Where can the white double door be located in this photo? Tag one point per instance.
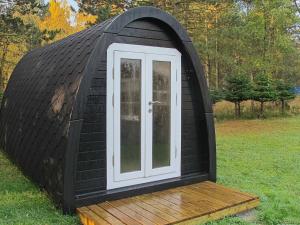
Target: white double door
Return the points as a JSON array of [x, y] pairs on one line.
[[146, 115]]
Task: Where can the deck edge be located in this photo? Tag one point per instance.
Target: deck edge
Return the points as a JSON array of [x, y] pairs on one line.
[[222, 213]]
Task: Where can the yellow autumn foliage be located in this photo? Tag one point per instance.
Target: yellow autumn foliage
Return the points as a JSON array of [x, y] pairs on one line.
[[61, 19], [83, 20], [58, 19]]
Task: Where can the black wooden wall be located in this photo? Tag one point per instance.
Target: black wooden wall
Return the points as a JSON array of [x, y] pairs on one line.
[[91, 161]]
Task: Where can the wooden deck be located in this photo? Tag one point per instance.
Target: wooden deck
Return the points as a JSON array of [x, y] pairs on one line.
[[191, 204]]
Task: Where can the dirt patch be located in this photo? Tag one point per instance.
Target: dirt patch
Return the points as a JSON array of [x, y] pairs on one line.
[[249, 216], [255, 126], [249, 126]]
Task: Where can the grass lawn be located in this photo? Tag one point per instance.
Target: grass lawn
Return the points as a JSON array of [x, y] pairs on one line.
[[22, 203], [257, 156], [262, 157]]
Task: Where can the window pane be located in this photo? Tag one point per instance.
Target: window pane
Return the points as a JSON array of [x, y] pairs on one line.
[[130, 115], [161, 113]]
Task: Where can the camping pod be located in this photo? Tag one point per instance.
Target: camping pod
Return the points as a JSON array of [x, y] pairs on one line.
[[116, 110]]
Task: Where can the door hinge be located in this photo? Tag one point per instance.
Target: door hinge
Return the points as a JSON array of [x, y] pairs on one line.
[[175, 152], [176, 99], [113, 100], [113, 160], [113, 73], [176, 75]]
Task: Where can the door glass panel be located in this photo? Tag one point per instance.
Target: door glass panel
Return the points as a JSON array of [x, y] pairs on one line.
[[161, 114], [130, 115]]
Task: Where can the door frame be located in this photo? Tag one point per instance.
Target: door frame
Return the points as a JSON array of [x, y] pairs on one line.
[[111, 123]]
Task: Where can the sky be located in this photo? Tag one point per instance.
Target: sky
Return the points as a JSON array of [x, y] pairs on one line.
[[71, 2]]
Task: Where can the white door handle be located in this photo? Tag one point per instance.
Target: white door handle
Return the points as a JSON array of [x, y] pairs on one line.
[[154, 102]]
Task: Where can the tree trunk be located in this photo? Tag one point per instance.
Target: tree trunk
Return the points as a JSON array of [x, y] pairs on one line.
[[216, 53], [207, 67], [265, 31], [236, 114], [252, 101], [282, 106], [261, 108], [239, 109], [2, 63]]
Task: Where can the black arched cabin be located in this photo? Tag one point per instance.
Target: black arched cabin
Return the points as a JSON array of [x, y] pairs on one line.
[[119, 109]]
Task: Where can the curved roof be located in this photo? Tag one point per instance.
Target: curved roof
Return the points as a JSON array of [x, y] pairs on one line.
[[47, 91]]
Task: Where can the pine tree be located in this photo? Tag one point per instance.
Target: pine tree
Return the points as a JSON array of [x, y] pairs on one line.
[[216, 95], [284, 92], [238, 88], [264, 90]]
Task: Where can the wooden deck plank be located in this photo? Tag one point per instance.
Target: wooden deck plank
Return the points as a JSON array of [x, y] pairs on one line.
[[216, 186], [118, 214], [224, 191], [204, 205], [155, 211], [217, 201], [191, 197], [194, 194], [131, 203], [175, 204], [179, 204], [230, 198], [105, 215], [220, 213], [131, 213], [93, 218], [164, 207], [190, 204]]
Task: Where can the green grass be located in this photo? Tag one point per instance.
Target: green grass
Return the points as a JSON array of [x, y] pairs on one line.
[[256, 156], [23, 203], [262, 157]]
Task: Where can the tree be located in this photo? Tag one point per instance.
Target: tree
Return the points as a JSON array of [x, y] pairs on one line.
[[264, 90], [29, 24], [232, 37], [17, 33], [238, 88], [57, 19], [83, 20], [216, 95], [284, 92], [1, 96], [103, 9], [30, 13]]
